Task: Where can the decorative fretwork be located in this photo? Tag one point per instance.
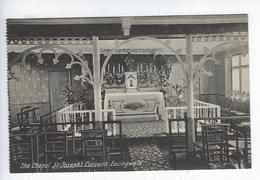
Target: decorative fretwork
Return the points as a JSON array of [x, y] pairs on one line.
[[167, 46], [230, 48], [50, 41], [57, 51], [235, 36]]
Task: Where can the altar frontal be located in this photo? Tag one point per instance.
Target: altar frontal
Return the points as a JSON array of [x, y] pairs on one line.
[[136, 105]]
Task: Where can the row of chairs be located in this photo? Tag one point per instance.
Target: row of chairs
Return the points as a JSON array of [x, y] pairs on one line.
[[214, 144], [53, 146], [29, 119], [38, 141]]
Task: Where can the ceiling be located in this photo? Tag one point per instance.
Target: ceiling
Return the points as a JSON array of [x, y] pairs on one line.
[[125, 27]]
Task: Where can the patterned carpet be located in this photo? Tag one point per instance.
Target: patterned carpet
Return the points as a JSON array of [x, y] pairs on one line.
[[143, 128], [150, 155]]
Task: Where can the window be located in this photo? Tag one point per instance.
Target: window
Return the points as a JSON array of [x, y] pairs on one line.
[[240, 73]]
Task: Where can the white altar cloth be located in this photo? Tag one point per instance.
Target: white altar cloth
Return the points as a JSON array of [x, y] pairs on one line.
[[136, 105]]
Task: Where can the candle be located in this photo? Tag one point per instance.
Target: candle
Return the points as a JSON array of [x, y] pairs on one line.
[[122, 69], [146, 68], [141, 67], [137, 68], [114, 69], [154, 68], [118, 68]]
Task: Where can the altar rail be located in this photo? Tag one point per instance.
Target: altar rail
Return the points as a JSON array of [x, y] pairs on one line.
[[201, 110], [74, 113], [232, 121]]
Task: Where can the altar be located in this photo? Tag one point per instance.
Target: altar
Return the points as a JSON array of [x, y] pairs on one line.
[[136, 105]]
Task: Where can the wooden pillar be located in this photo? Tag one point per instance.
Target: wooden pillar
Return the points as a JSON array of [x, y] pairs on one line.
[[228, 76], [97, 82], [190, 96]]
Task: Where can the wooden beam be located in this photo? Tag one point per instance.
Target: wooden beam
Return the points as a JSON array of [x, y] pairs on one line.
[[63, 21], [139, 20]]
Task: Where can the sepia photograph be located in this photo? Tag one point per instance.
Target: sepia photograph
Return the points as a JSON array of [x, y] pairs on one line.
[[129, 93]]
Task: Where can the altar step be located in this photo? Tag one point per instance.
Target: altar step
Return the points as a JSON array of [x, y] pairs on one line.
[[143, 128], [138, 117]]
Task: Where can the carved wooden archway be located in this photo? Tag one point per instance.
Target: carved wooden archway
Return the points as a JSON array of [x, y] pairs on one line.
[[223, 47], [74, 59], [141, 38]]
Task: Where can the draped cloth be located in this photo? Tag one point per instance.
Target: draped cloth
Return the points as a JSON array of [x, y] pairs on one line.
[[136, 104]]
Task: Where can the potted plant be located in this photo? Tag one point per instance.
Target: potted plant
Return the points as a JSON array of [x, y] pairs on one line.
[[68, 93]]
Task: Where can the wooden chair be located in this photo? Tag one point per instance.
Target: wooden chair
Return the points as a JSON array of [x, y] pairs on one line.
[[178, 142], [22, 116], [73, 134], [243, 143], [22, 121], [25, 108], [29, 119], [49, 118], [23, 149], [34, 115], [214, 147], [93, 144], [54, 146], [114, 142]]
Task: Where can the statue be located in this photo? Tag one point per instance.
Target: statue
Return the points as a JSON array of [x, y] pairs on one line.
[[131, 83]]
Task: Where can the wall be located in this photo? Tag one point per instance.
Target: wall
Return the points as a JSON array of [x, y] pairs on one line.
[[212, 88], [30, 88]]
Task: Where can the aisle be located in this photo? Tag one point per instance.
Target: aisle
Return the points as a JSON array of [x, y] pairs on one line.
[[150, 155]]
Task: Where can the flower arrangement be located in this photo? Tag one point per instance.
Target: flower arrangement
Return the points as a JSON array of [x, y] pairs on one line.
[[68, 93], [238, 101], [80, 93]]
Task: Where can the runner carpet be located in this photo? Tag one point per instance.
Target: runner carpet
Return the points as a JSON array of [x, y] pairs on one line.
[[150, 155]]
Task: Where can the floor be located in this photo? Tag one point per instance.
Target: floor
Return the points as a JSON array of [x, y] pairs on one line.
[[150, 156], [154, 154], [145, 143]]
